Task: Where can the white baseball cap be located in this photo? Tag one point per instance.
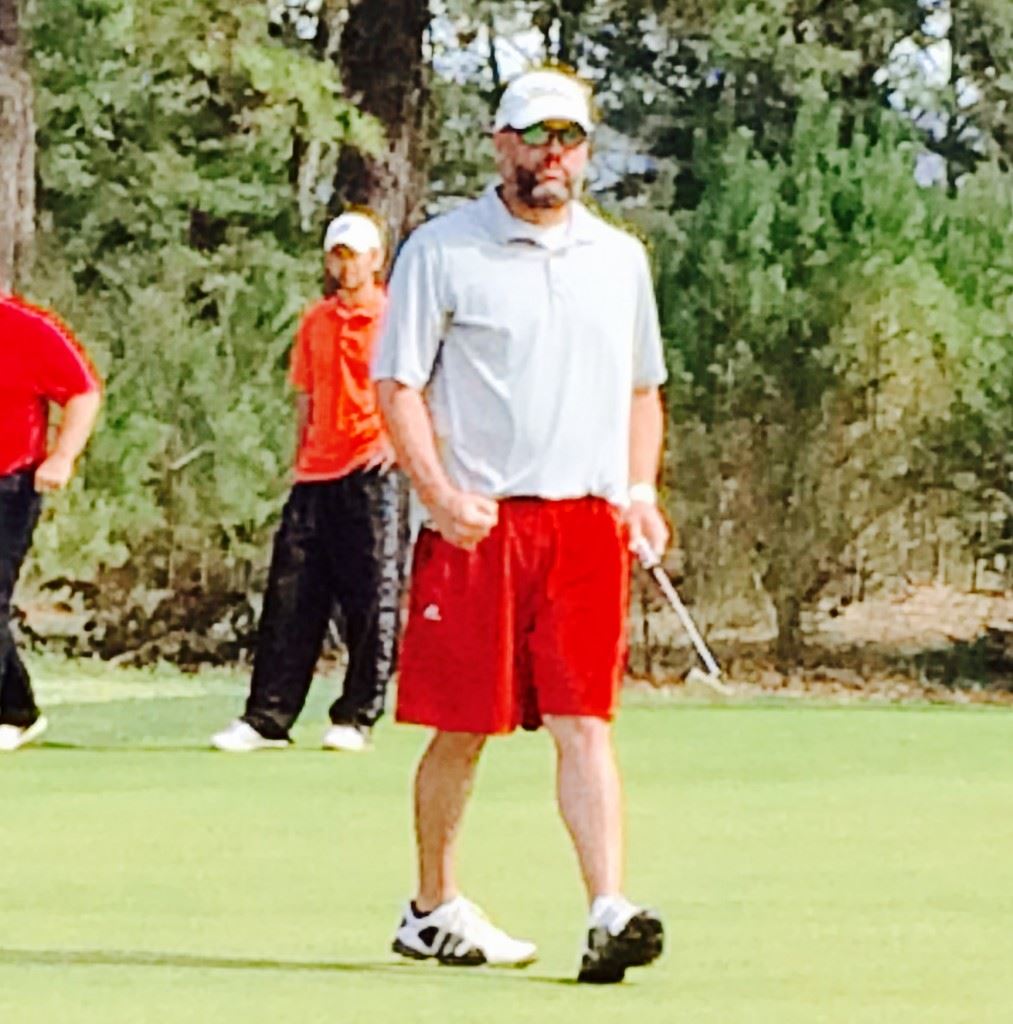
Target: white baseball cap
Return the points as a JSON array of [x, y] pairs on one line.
[[355, 230], [544, 96]]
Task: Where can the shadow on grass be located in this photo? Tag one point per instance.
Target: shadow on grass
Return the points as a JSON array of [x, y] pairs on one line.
[[175, 961], [132, 748], [127, 748], [157, 747]]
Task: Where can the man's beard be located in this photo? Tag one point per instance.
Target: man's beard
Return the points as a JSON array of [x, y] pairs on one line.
[[544, 195]]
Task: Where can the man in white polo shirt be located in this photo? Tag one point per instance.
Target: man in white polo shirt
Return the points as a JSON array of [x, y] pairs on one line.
[[518, 373]]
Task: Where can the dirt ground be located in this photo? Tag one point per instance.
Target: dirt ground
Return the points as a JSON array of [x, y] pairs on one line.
[[921, 642], [918, 642]]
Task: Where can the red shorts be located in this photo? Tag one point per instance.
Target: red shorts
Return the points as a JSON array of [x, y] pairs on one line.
[[530, 623]]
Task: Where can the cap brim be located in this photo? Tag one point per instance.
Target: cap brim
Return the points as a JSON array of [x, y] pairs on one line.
[[350, 243], [355, 239], [354, 231], [548, 108]]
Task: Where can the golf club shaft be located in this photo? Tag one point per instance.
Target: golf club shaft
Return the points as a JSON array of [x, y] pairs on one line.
[[650, 561]]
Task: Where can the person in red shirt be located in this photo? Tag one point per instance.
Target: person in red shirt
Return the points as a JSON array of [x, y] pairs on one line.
[[339, 540], [41, 362]]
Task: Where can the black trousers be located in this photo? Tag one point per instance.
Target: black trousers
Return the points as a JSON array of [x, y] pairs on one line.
[[19, 512], [340, 542]]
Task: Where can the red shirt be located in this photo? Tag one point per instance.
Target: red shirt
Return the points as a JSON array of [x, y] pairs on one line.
[[330, 362], [40, 362]]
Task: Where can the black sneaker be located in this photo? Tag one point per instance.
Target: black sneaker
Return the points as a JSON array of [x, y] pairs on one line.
[[606, 956]]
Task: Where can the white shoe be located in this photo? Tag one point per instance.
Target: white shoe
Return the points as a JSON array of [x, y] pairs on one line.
[[457, 933], [346, 737], [240, 737], [12, 737]]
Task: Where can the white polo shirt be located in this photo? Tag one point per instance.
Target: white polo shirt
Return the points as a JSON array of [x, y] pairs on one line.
[[528, 345]]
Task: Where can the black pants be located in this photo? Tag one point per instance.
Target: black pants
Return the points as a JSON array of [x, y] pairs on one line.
[[19, 512], [339, 543]]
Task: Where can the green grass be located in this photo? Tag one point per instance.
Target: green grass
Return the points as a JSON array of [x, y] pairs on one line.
[[813, 864]]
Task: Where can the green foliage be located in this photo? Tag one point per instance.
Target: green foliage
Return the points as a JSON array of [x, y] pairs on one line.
[[841, 354], [459, 150], [839, 336], [173, 141]]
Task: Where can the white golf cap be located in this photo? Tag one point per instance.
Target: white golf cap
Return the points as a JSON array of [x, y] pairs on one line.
[[355, 230], [544, 96]]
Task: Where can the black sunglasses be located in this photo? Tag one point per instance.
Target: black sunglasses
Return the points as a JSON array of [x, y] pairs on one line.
[[568, 133]]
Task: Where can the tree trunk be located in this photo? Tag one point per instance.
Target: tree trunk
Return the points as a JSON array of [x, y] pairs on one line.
[[17, 152], [383, 72], [789, 621], [790, 548]]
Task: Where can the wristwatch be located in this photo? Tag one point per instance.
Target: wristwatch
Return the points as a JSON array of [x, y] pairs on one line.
[[644, 493]]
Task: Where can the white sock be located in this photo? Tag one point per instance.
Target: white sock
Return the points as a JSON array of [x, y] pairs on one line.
[[612, 912]]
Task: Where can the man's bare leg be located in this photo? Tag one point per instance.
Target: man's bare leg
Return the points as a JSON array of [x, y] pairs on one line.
[[442, 925], [620, 934], [443, 784], [590, 799]]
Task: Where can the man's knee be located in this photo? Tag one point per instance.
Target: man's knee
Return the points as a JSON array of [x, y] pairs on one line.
[[457, 746], [579, 733]]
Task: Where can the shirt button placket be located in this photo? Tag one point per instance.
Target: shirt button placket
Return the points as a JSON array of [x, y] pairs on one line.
[[553, 275]]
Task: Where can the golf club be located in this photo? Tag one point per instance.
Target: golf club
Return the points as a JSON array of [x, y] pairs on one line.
[[651, 562]]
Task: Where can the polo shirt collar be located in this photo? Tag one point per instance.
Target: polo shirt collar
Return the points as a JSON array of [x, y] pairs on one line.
[[505, 228]]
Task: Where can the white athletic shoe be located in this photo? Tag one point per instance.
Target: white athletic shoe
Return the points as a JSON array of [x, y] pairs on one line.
[[346, 737], [240, 737], [13, 737], [457, 933]]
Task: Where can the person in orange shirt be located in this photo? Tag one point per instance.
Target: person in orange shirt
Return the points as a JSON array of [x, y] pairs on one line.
[[339, 539]]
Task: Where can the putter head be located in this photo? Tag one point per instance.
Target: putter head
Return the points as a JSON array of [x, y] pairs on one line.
[[706, 683]]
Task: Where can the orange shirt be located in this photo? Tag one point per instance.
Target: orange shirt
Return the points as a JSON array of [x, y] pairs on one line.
[[331, 363]]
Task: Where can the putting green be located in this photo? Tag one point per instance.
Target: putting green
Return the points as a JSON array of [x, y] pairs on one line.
[[813, 865]]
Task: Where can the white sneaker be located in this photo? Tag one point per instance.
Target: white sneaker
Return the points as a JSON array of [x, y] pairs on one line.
[[12, 737], [240, 737], [457, 933], [346, 737]]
